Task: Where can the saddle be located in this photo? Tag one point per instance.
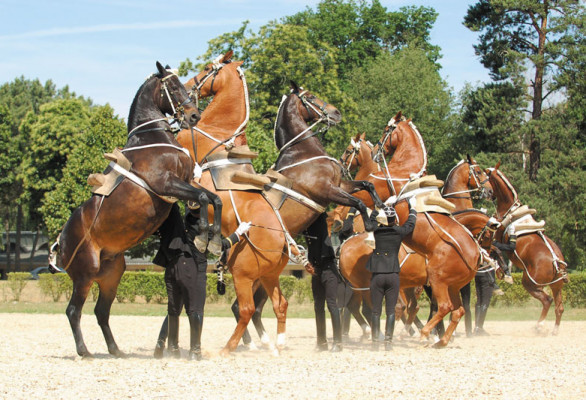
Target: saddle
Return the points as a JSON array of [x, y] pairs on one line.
[[104, 184], [429, 198], [233, 170], [526, 224], [274, 196]]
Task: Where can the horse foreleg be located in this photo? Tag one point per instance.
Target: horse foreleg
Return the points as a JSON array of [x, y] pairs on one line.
[[260, 298], [271, 285], [81, 289], [337, 195], [356, 186], [215, 243], [108, 286], [457, 313]]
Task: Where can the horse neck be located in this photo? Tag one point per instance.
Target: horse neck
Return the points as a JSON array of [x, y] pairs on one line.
[[143, 108], [221, 118], [409, 158], [504, 196], [457, 182], [289, 124]]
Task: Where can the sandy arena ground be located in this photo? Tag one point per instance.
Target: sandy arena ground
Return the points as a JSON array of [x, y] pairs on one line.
[[38, 360]]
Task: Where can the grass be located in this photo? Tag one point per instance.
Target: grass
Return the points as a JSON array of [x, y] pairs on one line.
[[526, 313]]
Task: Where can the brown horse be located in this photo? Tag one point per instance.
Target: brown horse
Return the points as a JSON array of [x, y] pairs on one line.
[[264, 254], [452, 254], [92, 244], [540, 259]]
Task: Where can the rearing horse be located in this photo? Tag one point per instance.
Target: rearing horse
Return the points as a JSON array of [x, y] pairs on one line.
[[263, 255], [452, 254], [540, 259], [157, 171]]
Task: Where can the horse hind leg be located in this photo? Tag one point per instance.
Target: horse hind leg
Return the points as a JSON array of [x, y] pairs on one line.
[[108, 286], [81, 289], [559, 308], [546, 302], [260, 298], [457, 313], [246, 309]]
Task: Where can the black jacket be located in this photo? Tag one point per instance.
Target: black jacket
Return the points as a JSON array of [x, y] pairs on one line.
[[385, 257], [320, 252]]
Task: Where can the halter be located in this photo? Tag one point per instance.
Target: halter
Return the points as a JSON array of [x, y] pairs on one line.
[[477, 193], [196, 92], [323, 116]]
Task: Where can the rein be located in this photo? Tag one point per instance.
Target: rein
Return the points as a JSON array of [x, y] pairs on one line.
[[471, 175]]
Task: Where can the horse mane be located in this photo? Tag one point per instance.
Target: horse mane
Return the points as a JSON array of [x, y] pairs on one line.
[[147, 82], [450, 174], [423, 149], [506, 180], [470, 210]]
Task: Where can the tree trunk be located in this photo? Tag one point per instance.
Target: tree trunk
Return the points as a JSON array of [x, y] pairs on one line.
[[17, 265], [7, 228], [33, 251]]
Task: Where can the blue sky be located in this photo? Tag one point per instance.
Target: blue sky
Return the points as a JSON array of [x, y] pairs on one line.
[[104, 49]]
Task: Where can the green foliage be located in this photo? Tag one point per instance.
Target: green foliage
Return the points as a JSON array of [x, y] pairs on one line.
[[417, 90], [55, 286], [16, 283], [104, 132]]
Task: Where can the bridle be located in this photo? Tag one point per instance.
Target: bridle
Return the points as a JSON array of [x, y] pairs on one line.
[[476, 193], [177, 107], [380, 156], [322, 116], [349, 156], [195, 93]]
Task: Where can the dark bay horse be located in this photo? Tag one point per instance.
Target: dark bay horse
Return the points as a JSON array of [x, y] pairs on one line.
[[158, 171], [264, 253], [540, 259], [452, 254]]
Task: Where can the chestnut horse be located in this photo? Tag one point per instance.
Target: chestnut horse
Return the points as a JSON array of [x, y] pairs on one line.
[[452, 254], [540, 259], [264, 253], [92, 243]]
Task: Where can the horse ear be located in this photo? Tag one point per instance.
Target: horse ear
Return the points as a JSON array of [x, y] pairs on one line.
[[498, 164], [294, 87], [398, 116], [160, 68], [228, 56], [357, 137], [363, 135], [470, 161]]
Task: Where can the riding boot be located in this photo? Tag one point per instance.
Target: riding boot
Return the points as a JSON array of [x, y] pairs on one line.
[[320, 325], [479, 330], [174, 336], [337, 328], [389, 329], [468, 324], [375, 325], [160, 346], [346, 318], [195, 324]]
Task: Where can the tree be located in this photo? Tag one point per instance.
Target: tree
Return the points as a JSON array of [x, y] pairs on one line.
[[104, 132], [406, 81], [517, 34]]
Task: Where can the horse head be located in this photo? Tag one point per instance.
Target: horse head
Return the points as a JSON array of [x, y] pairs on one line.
[[212, 79], [172, 98], [478, 179], [353, 155], [313, 109]]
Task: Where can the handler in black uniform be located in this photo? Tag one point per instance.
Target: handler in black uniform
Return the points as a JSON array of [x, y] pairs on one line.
[[185, 278], [485, 286], [324, 282], [385, 267]]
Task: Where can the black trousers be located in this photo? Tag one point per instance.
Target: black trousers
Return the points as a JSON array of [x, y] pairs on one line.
[[384, 286], [325, 289], [484, 287], [186, 286]]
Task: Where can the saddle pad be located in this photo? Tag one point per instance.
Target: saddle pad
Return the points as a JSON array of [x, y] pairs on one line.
[[433, 202], [424, 181], [222, 176], [109, 182], [525, 225], [274, 196]]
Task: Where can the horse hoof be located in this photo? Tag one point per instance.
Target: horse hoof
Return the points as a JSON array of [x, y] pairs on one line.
[[201, 243], [225, 352], [438, 345], [87, 356], [336, 226], [215, 246], [117, 353]]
